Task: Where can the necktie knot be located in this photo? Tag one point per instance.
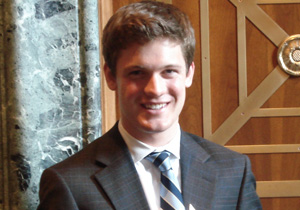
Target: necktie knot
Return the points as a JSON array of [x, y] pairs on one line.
[[160, 160]]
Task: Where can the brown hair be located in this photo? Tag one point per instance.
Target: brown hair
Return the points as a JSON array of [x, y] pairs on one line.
[[145, 21]]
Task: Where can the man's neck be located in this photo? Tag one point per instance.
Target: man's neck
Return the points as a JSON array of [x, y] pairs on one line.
[[154, 139]]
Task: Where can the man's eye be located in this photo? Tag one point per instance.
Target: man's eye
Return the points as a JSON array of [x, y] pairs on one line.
[[170, 71], [134, 73]]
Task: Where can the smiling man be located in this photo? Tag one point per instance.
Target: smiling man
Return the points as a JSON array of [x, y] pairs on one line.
[[146, 161], [150, 81]]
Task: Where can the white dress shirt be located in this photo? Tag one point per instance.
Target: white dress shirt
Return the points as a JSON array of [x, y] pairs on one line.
[[148, 173]]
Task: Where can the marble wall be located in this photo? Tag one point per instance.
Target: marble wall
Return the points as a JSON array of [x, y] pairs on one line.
[[50, 90]]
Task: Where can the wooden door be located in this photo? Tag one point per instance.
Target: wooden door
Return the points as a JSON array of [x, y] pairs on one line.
[[240, 97], [248, 102]]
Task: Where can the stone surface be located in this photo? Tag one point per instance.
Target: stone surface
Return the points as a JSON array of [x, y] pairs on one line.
[[50, 90]]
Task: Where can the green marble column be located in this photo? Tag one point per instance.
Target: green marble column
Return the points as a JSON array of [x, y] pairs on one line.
[[50, 90]]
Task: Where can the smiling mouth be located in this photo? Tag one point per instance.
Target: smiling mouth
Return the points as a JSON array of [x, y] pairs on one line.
[[155, 106]]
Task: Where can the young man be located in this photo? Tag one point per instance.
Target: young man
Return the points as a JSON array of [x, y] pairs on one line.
[[148, 49]]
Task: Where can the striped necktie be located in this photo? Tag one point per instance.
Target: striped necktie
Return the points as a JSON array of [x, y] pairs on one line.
[[170, 195]]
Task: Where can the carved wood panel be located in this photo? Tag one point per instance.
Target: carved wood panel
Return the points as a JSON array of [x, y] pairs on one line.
[[249, 103]]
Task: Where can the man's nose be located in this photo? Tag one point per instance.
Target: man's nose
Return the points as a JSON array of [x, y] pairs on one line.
[[155, 86]]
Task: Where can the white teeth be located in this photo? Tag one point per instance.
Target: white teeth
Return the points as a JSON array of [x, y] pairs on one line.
[[155, 106]]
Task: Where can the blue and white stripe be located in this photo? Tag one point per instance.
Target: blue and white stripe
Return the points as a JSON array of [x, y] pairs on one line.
[[170, 193]]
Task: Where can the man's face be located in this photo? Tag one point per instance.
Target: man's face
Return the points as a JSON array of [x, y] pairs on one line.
[[151, 82]]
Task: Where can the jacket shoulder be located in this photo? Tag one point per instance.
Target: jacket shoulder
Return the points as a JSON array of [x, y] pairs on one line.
[[216, 151], [99, 148]]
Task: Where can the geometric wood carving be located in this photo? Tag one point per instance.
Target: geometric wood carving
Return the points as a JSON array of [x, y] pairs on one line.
[[249, 106]]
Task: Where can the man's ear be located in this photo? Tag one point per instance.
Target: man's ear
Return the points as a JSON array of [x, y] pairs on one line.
[[110, 78], [190, 75]]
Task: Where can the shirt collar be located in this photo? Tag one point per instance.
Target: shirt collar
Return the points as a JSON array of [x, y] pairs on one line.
[[140, 150]]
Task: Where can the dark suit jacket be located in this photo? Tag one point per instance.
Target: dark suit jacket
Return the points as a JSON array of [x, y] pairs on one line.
[[103, 176]]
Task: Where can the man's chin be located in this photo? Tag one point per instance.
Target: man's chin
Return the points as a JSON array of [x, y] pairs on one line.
[[155, 127], [152, 129]]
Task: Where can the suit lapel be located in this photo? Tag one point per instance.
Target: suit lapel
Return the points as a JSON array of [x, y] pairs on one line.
[[198, 178], [121, 183], [119, 178]]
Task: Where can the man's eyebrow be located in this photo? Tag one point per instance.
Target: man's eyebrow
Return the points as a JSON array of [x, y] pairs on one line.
[[142, 67], [135, 67], [173, 66]]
